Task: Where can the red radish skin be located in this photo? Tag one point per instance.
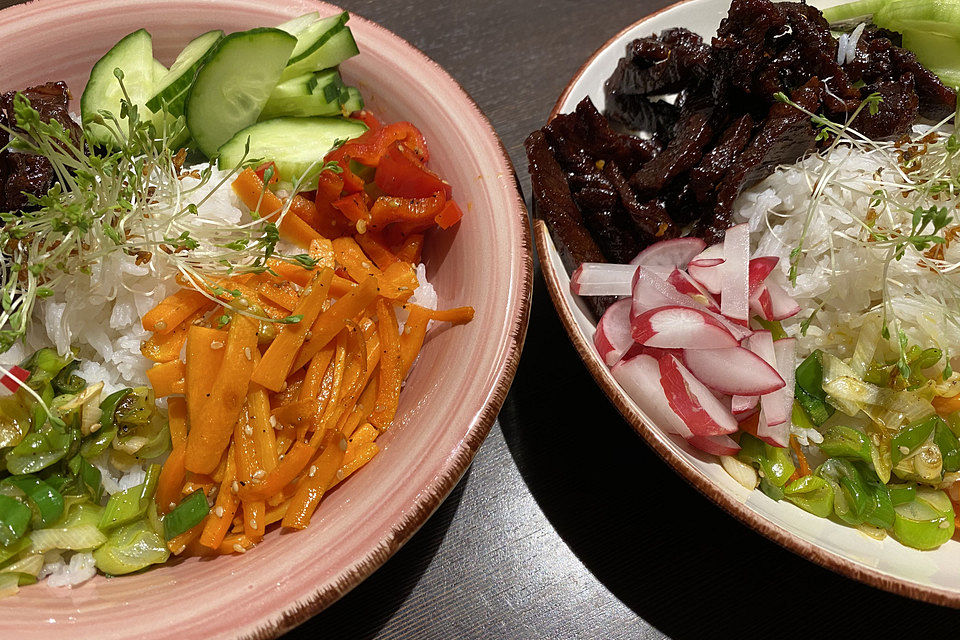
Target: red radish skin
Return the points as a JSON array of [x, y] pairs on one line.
[[640, 378], [612, 337], [734, 371], [686, 285], [670, 253], [715, 445], [760, 268], [781, 304], [602, 279], [735, 270], [692, 401], [677, 327], [709, 257], [710, 277]]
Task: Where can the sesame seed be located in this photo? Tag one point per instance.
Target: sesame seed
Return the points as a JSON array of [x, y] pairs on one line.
[[235, 487], [243, 302], [308, 335], [365, 264], [248, 353], [239, 548], [904, 449], [259, 473], [248, 430], [172, 505], [161, 325], [95, 427], [361, 226], [219, 512], [760, 473], [339, 474], [313, 470], [343, 444], [216, 344], [273, 421]]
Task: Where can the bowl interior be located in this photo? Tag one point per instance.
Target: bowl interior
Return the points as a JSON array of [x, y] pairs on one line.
[[933, 576], [485, 262]]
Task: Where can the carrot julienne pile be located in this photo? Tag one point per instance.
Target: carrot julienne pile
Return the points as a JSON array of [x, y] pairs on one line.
[[267, 417]]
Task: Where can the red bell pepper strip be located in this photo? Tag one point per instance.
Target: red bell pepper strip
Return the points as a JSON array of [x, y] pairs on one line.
[[415, 214], [400, 173], [366, 117], [370, 147], [449, 215]]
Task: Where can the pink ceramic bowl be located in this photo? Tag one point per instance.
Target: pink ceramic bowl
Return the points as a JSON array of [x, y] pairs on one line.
[[450, 400]]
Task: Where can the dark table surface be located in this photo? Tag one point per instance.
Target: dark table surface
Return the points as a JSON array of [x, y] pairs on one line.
[[530, 544]]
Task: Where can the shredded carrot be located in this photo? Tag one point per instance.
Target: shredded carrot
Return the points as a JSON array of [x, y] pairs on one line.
[[275, 365], [167, 378], [361, 456], [373, 245], [315, 373], [250, 189], [179, 543], [218, 521], [351, 257], [398, 281], [410, 248], [314, 483], [172, 473], [331, 322], [239, 543], [248, 467], [173, 310], [803, 468], [391, 375], [210, 433], [946, 406], [264, 435], [341, 286], [292, 272], [280, 293], [321, 250], [166, 347], [204, 359]]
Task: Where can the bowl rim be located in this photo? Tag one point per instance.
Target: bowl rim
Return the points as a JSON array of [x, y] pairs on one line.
[[432, 495], [657, 439]]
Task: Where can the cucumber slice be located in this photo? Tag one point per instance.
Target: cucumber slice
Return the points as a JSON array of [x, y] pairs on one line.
[[923, 16], [234, 84], [172, 87], [857, 9], [158, 71], [134, 55], [295, 145], [332, 52], [354, 101], [313, 94], [295, 26], [314, 36]]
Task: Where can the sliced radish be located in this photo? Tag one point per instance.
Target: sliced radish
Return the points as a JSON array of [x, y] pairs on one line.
[[709, 257], [735, 283], [761, 343], [761, 304], [670, 253], [709, 276], [686, 285], [650, 291], [715, 445], [640, 378], [602, 279], [692, 401], [677, 327], [778, 433], [760, 268], [735, 371], [756, 425], [743, 405], [613, 338], [781, 304]]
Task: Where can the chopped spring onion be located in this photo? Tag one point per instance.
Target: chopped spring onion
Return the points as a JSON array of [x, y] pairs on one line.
[[186, 515]]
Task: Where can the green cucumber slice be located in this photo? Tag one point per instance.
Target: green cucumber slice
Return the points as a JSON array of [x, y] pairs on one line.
[[313, 94], [354, 101], [850, 10], [233, 85], [295, 26], [172, 87], [296, 145], [316, 35], [337, 48], [134, 56]]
